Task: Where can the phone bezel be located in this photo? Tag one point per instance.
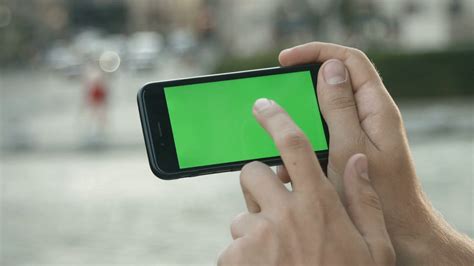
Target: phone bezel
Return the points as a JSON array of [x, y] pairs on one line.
[[159, 138]]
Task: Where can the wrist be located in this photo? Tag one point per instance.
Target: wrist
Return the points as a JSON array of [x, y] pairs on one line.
[[430, 240]]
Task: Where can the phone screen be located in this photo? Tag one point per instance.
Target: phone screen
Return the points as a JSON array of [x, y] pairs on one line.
[[213, 123]]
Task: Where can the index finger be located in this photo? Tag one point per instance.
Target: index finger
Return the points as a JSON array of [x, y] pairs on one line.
[[361, 70], [377, 111], [295, 149]]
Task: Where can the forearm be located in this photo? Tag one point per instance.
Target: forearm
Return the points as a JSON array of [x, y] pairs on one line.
[[435, 243]]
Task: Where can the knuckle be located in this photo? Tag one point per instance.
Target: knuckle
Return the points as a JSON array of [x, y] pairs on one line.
[[292, 139], [328, 195], [239, 217], [369, 198], [341, 102], [263, 229], [358, 54], [326, 202], [325, 192]]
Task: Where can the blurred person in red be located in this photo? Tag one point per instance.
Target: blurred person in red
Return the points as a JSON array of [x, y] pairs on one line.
[[96, 98]]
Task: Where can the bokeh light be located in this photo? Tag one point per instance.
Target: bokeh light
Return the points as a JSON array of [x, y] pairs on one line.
[[109, 61]]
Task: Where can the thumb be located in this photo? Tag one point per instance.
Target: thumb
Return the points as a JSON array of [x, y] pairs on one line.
[[365, 210], [337, 98], [339, 109]]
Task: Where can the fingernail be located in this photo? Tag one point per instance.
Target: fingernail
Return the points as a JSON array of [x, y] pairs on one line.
[[262, 104], [334, 72], [362, 167], [286, 50]]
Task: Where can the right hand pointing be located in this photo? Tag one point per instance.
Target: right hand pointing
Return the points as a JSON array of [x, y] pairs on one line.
[[308, 225]]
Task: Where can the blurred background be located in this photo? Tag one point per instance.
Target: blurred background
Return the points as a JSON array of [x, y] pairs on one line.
[[75, 183]]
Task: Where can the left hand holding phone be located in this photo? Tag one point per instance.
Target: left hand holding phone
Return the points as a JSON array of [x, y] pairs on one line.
[[309, 224]]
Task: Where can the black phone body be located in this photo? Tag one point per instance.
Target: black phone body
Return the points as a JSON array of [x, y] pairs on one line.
[[193, 126]]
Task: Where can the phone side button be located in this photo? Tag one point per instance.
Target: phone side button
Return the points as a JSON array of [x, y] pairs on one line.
[[160, 132]]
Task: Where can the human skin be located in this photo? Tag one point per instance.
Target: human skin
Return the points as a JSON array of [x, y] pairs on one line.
[[308, 225], [363, 118]]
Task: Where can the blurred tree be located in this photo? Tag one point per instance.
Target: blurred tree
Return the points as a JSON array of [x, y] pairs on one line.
[[23, 37], [109, 16]]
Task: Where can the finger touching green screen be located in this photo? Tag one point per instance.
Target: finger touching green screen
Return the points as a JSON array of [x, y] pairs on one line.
[[212, 122]]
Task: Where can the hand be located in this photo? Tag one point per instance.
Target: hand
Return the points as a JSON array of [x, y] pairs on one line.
[[363, 118], [309, 225]]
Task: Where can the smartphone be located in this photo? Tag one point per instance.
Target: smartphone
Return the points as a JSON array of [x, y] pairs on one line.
[[205, 125]]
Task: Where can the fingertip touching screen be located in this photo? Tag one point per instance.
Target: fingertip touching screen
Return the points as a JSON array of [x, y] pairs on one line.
[[213, 123]]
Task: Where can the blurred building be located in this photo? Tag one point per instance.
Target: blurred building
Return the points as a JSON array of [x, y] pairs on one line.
[[247, 27], [163, 15], [244, 27], [434, 24]]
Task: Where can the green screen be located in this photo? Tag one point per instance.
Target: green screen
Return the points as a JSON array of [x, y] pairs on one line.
[[212, 122]]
